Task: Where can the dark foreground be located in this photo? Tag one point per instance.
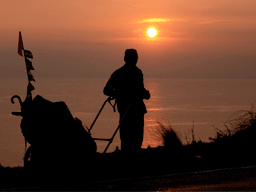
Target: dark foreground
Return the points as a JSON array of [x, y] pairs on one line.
[[227, 179], [238, 179], [153, 169]]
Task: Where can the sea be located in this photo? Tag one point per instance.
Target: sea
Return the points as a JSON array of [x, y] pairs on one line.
[[183, 104]]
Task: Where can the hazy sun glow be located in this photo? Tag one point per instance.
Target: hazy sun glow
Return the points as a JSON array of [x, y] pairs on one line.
[[154, 20], [151, 32]]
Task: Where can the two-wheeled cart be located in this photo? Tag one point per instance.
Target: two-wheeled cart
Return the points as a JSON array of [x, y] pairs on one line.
[[62, 141]]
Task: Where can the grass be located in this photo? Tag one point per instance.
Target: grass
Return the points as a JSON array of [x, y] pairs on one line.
[[169, 138], [235, 143], [240, 122], [238, 140], [166, 136]]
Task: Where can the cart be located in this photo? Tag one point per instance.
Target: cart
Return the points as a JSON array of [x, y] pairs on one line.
[[55, 137]]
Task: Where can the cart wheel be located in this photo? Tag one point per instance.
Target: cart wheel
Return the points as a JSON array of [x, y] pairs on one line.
[[27, 157]]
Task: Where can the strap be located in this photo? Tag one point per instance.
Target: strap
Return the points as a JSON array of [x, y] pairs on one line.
[[26, 142], [114, 106]]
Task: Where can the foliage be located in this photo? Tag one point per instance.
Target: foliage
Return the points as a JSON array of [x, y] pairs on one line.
[[193, 140], [166, 135], [240, 121]]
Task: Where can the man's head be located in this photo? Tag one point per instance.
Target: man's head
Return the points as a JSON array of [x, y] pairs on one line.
[[131, 56]]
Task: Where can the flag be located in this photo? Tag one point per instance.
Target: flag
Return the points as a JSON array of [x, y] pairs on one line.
[[30, 76], [27, 103], [29, 64], [28, 54], [20, 45], [28, 99], [30, 87]]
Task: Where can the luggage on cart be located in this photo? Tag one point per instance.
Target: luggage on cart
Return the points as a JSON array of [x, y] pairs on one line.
[[55, 136]]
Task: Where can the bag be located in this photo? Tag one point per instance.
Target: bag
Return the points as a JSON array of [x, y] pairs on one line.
[[51, 123]]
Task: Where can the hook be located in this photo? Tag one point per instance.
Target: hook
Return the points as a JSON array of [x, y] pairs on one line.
[[18, 97]]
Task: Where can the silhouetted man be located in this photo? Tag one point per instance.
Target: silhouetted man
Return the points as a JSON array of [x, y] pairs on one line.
[[127, 87]]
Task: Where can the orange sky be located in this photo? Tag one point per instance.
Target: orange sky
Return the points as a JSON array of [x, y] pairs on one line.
[[70, 38]]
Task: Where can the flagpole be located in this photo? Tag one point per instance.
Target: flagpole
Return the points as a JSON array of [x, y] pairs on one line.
[[24, 56], [28, 92], [29, 67], [26, 70], [26, 64], [27, 54]]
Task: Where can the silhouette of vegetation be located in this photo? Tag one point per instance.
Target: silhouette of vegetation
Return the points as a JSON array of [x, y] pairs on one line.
[[237, 141], [193, 140], [166, 136], [230, 146], [242, 121]]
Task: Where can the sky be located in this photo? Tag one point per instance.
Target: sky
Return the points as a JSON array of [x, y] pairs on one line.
[[78, 38]]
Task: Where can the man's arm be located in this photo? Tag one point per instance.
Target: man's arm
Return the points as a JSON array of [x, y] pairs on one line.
[[145, 93], [109, 89]]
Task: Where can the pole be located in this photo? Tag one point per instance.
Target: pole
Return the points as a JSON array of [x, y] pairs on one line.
[[26, 64], [108, 99], [111, 139]]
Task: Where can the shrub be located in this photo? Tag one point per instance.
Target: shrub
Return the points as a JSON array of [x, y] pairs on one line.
[[166, 136], [239, 122]]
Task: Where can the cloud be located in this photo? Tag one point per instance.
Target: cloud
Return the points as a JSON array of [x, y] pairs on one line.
[[155, 20]]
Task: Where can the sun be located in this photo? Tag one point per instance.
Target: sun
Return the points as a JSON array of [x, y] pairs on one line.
[[151, 32]]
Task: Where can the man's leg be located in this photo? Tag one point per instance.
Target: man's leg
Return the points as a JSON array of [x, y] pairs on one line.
[[131, 131]]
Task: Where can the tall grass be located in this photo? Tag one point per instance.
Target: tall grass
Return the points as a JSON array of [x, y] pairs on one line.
[[235, 142], [166, 136], [191, 132], [239, 122]]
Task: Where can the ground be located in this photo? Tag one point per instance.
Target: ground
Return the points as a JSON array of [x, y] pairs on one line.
[[152, 169]]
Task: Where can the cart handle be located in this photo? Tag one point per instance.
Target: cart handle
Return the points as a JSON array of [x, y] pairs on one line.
[[118, 127], [107, 100]]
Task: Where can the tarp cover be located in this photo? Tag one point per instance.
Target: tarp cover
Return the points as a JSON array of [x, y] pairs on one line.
[[51, 123]]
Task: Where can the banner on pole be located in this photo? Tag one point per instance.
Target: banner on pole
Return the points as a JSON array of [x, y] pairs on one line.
[[30, 87], [30, 76], [28, 54], [20, 45], [29, 64]]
